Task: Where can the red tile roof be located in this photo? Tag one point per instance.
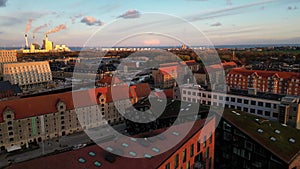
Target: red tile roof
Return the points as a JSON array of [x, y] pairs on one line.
[[70, 159], [168, 70], [39, 105], [263, 73]]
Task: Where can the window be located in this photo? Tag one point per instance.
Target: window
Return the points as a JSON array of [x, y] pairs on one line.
[[275, 115], [198, 145], [260, 104], [245, 109], [246, 101], [167, 166], [207, 152], [253, 102], [274, 106], [215, 96], [227, 98], [232, 99], [252, 110], [268, 105], [192, 150], [204, 141], [259, 112], [267, 113], [8, 116], [184, 156], [176, 160], [239, 100]]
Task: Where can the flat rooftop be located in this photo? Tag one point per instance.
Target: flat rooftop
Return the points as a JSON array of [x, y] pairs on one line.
[[249, 124]]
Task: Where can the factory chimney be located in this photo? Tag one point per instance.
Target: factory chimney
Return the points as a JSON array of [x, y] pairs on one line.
[[26, 41]]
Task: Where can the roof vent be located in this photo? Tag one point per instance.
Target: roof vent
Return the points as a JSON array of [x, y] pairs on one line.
[[277, 131], [292, 140], [260, 131], [273, 138]]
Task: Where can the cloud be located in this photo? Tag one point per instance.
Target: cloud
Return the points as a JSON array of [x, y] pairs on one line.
[[90, 21], [10, 20], [73, 18], [3, 3], [228, 2], [152, 42], [292, 8], [130, 14], [216, 24], [232, 10]]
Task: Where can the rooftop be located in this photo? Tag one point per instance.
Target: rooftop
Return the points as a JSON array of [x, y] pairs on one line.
[[96, 157], [264, 132], [266, 74]]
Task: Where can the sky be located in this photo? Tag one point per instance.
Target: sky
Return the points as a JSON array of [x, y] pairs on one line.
[[81, 23]]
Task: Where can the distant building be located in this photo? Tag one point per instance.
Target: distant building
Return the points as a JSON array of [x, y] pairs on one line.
[[8, 90], [167, 74], [7, 56], [194, 151], [280, 108], [264, 81], [165, 77], [28, 74], [246, 141]]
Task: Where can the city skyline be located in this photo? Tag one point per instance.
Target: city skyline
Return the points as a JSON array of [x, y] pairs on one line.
[[224, 22]]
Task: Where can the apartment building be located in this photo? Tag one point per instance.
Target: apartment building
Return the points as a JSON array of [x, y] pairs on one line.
[[264, 81], [7, 56], [27, 120], [267, 106], [247, 141], [27, 74]]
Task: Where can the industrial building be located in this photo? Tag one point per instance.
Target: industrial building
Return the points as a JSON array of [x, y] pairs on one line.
[[48, 46]]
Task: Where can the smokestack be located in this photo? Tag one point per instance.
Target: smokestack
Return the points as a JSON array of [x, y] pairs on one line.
[[26, 41]]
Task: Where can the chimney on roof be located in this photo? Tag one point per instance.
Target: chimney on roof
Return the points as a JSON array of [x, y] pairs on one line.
[[26, 42]]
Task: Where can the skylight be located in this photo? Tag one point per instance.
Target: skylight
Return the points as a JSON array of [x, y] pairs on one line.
[[109, 149], [125, 145], [92, 153], [147, 156], [277, 131], [97, 163], [155, 149], [273, 138], [260, 131], [175, 133], [133, 139], [292, 140], [132, 153], [81, 160]]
